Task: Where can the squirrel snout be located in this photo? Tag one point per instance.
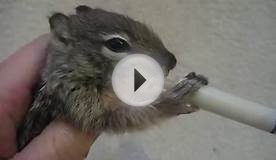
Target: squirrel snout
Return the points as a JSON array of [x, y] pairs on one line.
[[171, 61], [167, 60]]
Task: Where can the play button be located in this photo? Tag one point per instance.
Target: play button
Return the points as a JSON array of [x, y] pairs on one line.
[[137, 80]]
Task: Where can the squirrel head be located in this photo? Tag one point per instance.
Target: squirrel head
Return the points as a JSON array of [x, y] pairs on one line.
[[94, 39]]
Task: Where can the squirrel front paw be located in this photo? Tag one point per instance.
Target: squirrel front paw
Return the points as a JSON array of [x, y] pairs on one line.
[[191, 83], [175, 100]]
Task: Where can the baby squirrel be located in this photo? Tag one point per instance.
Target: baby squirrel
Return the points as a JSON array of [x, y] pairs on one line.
[[75, 84]]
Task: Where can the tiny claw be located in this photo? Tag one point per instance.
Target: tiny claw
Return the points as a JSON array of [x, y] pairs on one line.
[[199, 77], [191, 75], [203, 79]]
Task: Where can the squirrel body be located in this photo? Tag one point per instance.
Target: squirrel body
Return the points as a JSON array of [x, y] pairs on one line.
[[75, 83]]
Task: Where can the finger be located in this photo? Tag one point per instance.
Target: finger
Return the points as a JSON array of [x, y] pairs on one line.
[[58, 141], [7, 137], [19, 72]]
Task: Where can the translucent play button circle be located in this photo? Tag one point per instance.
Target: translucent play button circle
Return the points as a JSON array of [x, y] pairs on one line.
[[138, 80]]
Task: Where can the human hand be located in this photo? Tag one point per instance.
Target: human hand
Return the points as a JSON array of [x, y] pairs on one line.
[[18, 75]]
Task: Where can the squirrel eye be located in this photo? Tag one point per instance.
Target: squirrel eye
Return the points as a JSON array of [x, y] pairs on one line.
[[117, 44]]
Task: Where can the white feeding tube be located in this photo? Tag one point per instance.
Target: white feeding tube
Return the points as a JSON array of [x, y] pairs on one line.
[[235, 108]]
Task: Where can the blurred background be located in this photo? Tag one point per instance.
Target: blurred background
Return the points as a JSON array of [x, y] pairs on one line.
[[232, 42]]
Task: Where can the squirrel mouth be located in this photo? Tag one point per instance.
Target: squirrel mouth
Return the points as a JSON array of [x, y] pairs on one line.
[[165, 71]]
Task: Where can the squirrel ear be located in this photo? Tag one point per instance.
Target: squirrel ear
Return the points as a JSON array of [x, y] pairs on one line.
[[59, 24], [83, 9]]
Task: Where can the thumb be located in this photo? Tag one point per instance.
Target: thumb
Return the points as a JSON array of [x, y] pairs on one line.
[[57, 142]]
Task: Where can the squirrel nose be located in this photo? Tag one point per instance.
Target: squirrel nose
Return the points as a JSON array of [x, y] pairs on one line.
[[171, 61]]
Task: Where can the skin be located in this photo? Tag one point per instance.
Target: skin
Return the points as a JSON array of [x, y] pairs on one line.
[[75, 83], [59, 140]]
